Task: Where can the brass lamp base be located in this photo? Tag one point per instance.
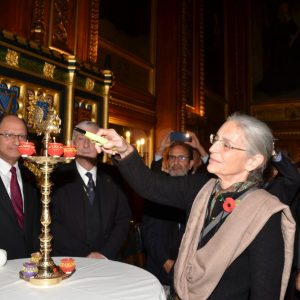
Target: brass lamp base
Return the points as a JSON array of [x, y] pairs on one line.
[[52, 278]]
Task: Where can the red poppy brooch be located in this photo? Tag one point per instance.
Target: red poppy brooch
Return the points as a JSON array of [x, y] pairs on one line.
[[229, 204]]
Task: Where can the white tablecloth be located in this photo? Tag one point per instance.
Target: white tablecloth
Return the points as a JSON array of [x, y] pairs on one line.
[[94, 279]]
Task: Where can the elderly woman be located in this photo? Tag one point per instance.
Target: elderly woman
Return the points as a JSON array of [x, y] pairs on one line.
[[238, 242]]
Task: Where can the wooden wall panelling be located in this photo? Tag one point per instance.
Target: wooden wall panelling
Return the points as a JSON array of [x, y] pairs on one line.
[[63, 26], [168, 85], [131, 103], [39, 30], [216, 63], [124, 111], [128, 51], [237, 62], [193, 69], [131, 73], [16, 16], [88, 30]]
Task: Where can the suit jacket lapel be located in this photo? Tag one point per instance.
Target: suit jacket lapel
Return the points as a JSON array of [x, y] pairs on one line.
[[6, 205], [27, 202], [78, 188], [101, 192]]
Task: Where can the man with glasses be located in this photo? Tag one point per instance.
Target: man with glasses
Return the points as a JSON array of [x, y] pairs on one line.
[[180, 159], [163, 226], [19, 203]]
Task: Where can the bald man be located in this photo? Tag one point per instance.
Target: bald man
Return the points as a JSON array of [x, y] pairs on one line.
[[19, 198]]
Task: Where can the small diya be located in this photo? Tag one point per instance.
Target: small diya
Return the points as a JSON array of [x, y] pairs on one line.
[[70, 151], [67, 265], [55, 149], [29, 270], [26, 149], [36, 257]]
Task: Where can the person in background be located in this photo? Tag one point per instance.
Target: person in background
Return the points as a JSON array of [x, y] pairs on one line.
[[200, 156], [284, 178], [89, 209], [163, 226], [19, 197], [238, 242]]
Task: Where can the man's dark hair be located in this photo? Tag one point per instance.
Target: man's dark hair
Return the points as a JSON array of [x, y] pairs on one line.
[[184, 145]]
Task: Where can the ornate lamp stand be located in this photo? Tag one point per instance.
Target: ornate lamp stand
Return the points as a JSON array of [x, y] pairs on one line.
[[48, 272]]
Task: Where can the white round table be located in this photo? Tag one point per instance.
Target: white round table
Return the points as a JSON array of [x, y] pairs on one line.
[[94, 279]]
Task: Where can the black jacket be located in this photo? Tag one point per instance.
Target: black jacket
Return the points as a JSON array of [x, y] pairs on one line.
[[20, 243], [70, 217]]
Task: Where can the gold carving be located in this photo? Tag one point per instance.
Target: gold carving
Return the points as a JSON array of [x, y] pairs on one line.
[[12, 58], [89, 84], [38, 21], [94, 28], [60, 33], [50, 125], [35, 170], [48, 70]]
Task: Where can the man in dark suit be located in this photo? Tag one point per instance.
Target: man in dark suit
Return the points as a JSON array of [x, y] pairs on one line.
[[89, 209], [284, 182], [19, 203]]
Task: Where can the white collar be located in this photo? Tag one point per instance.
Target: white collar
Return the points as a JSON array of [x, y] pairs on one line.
[[82, 171], [5, 166]]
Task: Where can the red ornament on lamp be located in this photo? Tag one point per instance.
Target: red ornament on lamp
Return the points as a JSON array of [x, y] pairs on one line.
[[26, 149]]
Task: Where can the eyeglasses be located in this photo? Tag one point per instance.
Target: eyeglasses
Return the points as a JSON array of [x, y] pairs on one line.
[[224, 144], [180, 157], [11, 136]]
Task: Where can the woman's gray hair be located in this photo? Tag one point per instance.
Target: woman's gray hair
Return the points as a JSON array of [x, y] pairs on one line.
[[259, 140], [84, 125]]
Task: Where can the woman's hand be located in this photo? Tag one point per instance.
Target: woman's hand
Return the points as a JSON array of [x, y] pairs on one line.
[[115, 143]]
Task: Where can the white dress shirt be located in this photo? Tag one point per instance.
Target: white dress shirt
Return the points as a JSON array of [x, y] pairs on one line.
[[5, 175], [82, 171]]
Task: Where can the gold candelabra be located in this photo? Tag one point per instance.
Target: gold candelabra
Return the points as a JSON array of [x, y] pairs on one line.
[[48, 273]]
